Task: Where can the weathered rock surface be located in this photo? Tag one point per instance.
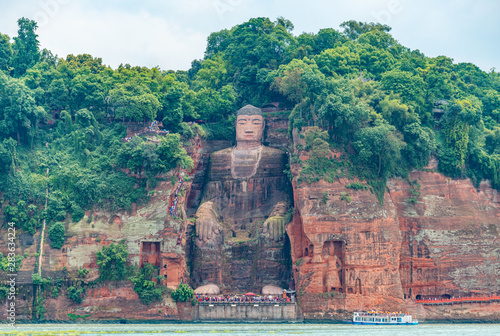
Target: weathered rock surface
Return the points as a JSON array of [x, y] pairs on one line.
[[445, 243], [232, 249], [350, 248], [348, 251], [152, 235]]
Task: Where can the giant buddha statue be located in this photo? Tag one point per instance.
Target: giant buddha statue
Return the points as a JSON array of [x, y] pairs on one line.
[[240, 224]]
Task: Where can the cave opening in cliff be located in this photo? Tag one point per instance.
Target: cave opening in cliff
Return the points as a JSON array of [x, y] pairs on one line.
[[150, 253]]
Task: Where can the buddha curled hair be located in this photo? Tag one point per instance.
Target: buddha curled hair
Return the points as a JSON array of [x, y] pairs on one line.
[[249, 110]]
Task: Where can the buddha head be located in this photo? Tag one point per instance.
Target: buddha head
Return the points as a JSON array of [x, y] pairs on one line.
[[249, 127]]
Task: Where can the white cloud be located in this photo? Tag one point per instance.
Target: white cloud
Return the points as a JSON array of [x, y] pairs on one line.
[[122, 37]]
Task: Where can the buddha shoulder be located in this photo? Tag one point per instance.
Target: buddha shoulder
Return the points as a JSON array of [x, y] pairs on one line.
[[272, 151], [221, 154]]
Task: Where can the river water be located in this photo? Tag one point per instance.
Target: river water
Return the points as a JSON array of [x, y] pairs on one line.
[[215, 329]]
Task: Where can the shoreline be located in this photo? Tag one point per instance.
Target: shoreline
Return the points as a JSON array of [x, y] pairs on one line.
[[180, 322]]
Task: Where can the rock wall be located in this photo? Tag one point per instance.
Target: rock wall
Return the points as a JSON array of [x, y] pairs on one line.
[[346, 247], [443, 243], [152, 235], [450, 236], [432, 237]]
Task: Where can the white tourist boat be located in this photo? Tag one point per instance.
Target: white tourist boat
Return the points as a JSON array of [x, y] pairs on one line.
[[382, 318]]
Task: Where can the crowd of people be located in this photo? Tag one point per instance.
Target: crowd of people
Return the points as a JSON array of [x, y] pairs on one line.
[[173, 207], [243, 298], [382, 313]]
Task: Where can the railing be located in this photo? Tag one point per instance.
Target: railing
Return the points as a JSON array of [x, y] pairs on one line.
[[456, 300], [245, 303]]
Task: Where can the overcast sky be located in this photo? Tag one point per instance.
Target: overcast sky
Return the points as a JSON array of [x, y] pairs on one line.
[[172, 33]]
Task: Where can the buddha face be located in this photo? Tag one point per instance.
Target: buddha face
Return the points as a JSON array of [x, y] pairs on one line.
[[249, 128]]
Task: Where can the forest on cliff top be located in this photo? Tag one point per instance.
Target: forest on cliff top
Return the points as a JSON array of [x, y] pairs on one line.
[[387, 107]]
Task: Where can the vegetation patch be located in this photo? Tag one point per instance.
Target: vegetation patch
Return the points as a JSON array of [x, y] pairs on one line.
[[149, 291], [56, 234], [183, 293], [75, 317]]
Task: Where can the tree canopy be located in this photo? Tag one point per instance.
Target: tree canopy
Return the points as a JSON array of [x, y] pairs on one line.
[[387, 107]]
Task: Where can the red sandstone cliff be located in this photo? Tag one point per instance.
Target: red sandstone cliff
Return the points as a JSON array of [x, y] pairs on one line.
[[152, 235], [348, 252], [443, 245]]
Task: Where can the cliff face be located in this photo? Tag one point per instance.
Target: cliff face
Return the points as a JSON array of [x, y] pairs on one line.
[[451, 243], [152, 235], [433, 237], [348, 248], [441, 243]]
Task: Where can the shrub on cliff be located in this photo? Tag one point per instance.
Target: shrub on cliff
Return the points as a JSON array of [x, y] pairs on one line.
[[4, 292], [38, 280], [76, 213], [183, 293], [56, 234], [148, 290], [75, 294], [111, 261]]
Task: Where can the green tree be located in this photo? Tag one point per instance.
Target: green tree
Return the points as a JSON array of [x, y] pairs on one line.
[[171, 153], [76, 294], [397, 113], [19, 114], [338, 61], [183, 293], [134, 101], [409, 86], [26, 46], [218, 42], [298, 80], [353, 29], [147, 289], [94, 64], [5, 53], [378, 148], [171, 112], [213, 72], [457, 121], [111, 260], [56, 234], [342, 111], [7, 155], [326, 38], [492, 141], [420, 145], [58, 94], [215, 106]]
